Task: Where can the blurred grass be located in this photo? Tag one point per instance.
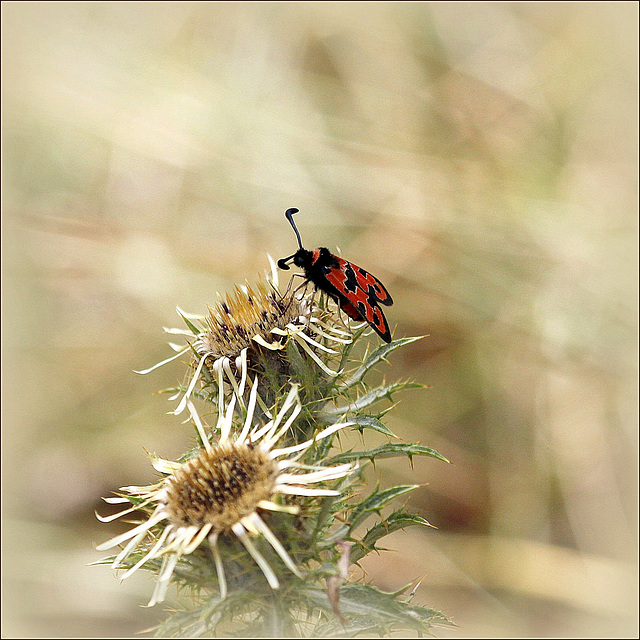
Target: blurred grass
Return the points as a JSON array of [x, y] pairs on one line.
[[481, 159]]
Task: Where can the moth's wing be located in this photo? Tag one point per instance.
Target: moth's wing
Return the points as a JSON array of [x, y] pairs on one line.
[[371, 284], [347, 306], [363, 293], [346, 276]]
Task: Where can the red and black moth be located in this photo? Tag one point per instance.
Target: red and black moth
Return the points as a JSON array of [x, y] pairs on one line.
[[358, 293]]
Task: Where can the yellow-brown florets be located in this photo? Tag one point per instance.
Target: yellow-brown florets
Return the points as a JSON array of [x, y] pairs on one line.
[[245, 319], [220, 486]]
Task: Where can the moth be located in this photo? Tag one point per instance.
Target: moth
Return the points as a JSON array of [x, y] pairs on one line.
[[358, 293]]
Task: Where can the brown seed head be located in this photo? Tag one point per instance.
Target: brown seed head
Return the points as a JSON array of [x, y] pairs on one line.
[[220, 486]]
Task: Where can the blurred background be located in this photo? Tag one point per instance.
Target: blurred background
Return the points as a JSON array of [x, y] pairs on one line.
[[479, 158]]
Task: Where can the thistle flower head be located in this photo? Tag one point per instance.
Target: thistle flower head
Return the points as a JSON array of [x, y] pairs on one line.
[[242, 330], [221, 491], [246, 319]]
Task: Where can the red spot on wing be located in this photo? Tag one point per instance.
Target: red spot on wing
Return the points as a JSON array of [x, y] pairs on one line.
[[350, 310]]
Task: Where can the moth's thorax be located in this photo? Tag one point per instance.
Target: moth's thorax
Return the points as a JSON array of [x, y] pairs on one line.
[[322, 257]]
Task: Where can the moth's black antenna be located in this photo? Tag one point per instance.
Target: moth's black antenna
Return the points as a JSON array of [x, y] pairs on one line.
[[288, 214]]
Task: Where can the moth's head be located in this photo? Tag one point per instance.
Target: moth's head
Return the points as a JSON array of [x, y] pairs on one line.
[[300, 258]]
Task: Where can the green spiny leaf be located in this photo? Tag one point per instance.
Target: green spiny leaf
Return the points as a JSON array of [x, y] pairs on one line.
[[397, 520], [375, 502], [387, 450], [362, 422], [372, 359], [383, 391], [370, 611]]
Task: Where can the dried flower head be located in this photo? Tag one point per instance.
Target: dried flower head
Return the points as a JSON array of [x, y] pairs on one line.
[[246, 319], [221, 491], [246, 327]]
